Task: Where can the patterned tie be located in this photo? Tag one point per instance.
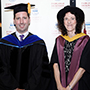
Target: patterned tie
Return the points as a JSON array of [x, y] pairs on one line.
[[21, 37]]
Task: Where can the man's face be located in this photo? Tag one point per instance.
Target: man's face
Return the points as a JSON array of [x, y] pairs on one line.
[[21, 22]]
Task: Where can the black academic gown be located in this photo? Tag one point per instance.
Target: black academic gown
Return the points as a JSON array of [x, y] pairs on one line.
[[85, 63], [23, 64], [84, 82]]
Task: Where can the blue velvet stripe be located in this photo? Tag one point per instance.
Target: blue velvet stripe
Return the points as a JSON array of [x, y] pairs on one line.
[[31, 39]]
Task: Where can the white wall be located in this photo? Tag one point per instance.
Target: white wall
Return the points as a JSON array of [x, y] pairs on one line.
[[85, 6]]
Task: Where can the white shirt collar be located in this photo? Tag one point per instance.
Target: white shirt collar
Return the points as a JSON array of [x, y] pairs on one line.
[[18, 34]]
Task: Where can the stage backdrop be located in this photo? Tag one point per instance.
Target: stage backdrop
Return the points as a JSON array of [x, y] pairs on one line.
[[85, 6], [43, 19]]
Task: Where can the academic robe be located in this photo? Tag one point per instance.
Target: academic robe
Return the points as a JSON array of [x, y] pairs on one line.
[[23, 64], [85, 63], [58, 57]]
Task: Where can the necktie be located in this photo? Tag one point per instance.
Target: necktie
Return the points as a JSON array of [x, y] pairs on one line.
[[21, 37]]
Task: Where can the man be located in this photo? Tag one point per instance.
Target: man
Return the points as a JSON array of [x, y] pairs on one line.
[[23, 63]]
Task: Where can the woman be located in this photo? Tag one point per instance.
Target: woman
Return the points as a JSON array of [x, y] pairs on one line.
[[65, 60]]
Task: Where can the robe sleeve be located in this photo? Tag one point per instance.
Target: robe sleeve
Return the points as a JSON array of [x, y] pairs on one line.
[[85, 57], [6, 78], [84, 83], [54, 59]]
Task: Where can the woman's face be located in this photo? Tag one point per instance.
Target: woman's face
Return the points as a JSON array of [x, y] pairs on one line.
[[70, 22]]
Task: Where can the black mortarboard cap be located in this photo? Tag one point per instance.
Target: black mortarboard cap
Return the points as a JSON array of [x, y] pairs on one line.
[[21, 7]]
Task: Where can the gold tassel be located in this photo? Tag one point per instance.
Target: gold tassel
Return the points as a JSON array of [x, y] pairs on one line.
[[29, 8]]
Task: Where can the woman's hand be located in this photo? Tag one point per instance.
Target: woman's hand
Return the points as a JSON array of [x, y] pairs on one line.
[[62, 88]]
